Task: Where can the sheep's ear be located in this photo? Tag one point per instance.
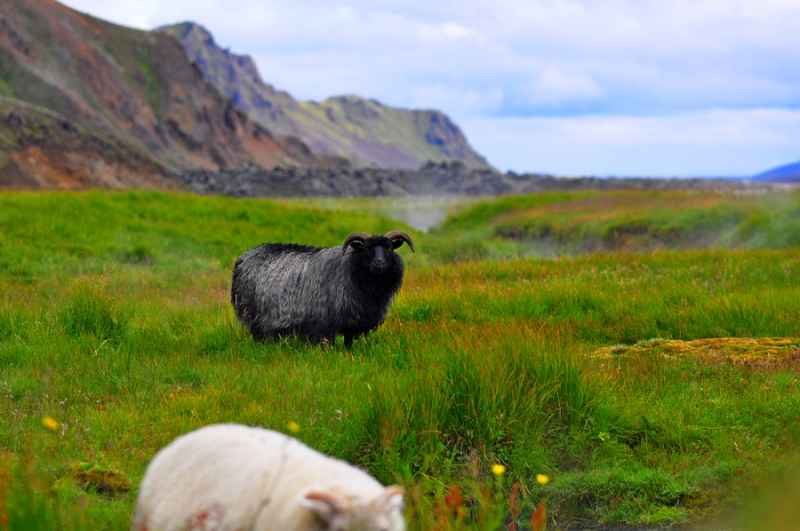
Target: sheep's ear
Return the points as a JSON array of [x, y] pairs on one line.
[[392, 497], [325, 505]]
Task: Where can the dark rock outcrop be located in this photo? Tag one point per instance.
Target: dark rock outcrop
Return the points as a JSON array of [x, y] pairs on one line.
[[443, 178]]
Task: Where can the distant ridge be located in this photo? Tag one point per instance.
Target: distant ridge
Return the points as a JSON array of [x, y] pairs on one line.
[[365, 131], [789, 173]]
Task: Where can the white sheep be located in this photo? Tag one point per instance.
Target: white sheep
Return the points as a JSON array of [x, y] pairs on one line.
[[238, 478]]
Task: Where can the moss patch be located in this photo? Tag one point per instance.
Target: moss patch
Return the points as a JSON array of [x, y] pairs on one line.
[[94, 478]]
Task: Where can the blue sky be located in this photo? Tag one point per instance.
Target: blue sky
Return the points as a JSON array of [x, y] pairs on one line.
[[569, 87]]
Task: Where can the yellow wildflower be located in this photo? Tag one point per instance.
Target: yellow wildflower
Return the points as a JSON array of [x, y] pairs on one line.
[[542, 479], [293, 426], [498, 469], [50, 422]]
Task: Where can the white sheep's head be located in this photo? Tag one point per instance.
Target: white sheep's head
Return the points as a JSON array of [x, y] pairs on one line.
[[340, 513]]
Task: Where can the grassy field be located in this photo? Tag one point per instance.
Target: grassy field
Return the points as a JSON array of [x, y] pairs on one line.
[[588, 367]]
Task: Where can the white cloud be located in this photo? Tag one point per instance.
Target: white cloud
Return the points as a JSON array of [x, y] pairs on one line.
[[449, 31], [554, 87], [456, 31], [462, 102]]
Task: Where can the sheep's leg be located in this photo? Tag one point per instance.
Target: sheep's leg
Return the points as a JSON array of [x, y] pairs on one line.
[[348, 340], [258, 337]]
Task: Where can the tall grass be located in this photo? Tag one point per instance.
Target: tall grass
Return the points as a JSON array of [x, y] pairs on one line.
[[91, 309], [493, 396]]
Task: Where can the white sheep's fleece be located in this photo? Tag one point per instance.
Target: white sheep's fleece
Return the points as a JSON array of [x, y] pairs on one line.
[[238, 478]]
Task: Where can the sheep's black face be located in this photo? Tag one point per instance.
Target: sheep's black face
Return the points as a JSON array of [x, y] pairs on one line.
[[378, 263], [375, 254]]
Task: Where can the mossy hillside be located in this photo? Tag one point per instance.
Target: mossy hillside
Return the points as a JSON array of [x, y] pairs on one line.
[[479, 363], [572, 223], [369, 121]]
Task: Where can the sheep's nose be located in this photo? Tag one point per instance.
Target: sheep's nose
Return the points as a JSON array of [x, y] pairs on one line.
[[378, 266]]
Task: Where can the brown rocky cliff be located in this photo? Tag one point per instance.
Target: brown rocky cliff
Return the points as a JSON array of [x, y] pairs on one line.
[[135, 86], [40, 149]]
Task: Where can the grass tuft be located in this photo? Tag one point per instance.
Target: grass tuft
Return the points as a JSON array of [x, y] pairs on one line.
[[485, 395], [93, 310]]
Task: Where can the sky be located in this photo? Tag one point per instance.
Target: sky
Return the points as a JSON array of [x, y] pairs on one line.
[[566, 87]]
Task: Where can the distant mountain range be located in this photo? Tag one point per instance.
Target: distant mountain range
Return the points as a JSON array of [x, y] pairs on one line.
[[87, 103], [789, 173], [362, 130]]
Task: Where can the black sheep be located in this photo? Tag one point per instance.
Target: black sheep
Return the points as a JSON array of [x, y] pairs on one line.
[[281, 289]]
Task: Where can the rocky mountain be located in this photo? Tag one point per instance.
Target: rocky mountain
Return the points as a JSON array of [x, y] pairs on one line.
[[42, 149], [132, 89], [789, 173], [362, 130]]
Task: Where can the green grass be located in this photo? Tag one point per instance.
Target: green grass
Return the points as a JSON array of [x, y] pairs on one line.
[[574, 223], [115, 322]]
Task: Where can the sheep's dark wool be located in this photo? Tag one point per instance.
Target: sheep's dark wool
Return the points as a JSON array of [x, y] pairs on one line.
[[318, 293]]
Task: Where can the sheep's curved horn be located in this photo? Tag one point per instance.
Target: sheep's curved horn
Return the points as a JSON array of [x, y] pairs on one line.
[[356, 236], [400, 235]]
